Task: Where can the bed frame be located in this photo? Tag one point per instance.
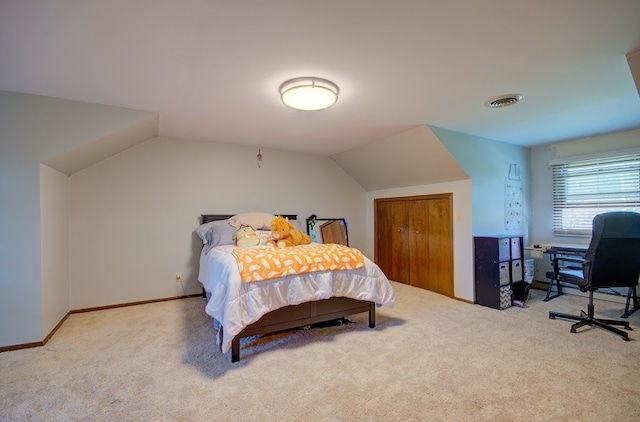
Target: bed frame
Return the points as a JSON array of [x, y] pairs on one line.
[[297, 315]]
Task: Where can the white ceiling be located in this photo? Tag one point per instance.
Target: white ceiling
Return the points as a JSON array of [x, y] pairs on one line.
[[211, 68]]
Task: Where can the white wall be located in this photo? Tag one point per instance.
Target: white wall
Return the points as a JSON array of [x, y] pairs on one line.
[[33, 129], [487, 163], [462, 236], [20, 301], [133, 215], [54, 246]]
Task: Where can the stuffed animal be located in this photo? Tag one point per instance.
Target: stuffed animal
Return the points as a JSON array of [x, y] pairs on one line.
[[246, 237], [285, 234]]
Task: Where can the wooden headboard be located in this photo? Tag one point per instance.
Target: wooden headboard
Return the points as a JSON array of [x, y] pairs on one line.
[[206, 218]]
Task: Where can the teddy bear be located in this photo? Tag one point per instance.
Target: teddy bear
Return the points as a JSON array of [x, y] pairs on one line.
[[284, 234], [246, 237]]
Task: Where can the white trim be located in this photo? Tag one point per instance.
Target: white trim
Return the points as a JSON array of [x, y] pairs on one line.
[[607, 154]]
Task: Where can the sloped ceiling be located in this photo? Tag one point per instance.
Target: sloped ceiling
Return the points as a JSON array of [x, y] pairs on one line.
[[411, 158], [97, 150], [68, 135], [633, 59], [211, 69]]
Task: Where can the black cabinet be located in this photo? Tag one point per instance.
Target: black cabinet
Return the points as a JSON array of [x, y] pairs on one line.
[[499, 270]]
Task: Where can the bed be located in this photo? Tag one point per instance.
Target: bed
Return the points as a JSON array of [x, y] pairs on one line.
[[241, 309]]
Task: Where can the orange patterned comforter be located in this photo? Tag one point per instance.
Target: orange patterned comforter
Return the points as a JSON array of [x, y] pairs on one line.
[[257, 264]]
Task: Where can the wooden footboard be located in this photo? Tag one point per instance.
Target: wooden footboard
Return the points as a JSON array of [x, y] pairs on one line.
[[304, 314]]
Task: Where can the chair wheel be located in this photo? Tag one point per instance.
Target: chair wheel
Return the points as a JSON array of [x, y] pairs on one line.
[[552, 317], [573, 330], [626, 339]]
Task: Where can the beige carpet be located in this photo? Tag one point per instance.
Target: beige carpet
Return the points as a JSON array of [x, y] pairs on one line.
[[429, 358]]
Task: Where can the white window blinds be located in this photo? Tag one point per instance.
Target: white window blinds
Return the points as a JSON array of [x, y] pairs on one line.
[[584, 188]]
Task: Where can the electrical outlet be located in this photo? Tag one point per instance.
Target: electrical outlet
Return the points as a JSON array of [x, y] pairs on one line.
[[178, 277]]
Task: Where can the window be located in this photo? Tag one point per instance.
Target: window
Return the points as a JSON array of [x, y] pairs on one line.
[[586, 187]]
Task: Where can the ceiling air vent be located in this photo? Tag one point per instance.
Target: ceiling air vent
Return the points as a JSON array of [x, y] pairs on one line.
[[503, 101]]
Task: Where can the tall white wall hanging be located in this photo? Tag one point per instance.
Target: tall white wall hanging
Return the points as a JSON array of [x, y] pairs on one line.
[[513, 199]]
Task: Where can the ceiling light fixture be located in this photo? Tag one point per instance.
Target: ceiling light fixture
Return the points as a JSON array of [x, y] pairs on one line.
[[503, 101], [309, 93]]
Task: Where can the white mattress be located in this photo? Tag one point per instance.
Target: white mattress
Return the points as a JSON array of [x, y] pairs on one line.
[[235, 304]]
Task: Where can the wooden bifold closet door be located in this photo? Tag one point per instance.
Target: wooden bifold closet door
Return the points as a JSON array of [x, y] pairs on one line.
[[414, 241]]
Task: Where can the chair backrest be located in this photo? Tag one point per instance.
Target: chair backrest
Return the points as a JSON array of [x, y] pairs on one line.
[[613, 257]]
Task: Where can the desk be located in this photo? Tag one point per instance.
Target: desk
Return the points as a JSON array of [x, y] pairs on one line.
[[575, 251], [559, 251]]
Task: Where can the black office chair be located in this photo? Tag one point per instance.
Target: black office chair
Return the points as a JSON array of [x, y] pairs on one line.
[[612, 260]]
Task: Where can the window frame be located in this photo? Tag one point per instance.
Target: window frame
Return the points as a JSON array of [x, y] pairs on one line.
[[585, 186]]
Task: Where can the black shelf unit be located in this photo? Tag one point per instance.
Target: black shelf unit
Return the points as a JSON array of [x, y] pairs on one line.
[[499, 270]]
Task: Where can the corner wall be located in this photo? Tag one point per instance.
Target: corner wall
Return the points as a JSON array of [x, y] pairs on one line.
[[54, 247], [487, 163]]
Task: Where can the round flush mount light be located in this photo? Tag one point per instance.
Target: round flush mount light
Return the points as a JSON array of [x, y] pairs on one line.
[[503, 101], [309, 93]]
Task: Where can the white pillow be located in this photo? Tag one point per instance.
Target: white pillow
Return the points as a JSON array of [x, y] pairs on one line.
[[257, 220]]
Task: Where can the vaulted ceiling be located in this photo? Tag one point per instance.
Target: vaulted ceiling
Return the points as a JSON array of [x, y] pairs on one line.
[[211, 68]]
